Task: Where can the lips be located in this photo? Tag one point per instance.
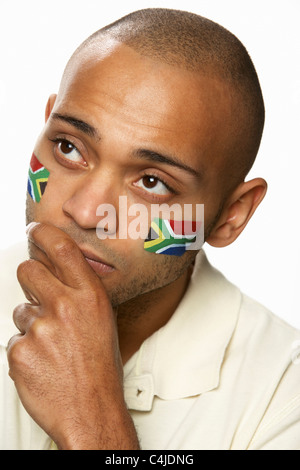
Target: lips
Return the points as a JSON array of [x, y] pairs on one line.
[[97, 264]]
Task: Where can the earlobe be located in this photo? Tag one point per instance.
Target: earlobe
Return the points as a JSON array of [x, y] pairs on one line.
[[49, 106], [237, 212]]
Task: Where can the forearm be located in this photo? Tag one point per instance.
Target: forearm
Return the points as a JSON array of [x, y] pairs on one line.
[[115, 432]]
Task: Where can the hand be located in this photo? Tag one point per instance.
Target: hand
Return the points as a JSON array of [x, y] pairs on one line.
[[65, 362]]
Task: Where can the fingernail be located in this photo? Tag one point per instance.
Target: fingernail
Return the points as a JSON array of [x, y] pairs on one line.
[[30, 226]]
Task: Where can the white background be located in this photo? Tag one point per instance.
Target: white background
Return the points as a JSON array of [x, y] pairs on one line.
[[37, 37]]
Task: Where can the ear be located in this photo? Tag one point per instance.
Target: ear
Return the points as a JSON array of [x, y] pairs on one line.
[[49, 106], [237, 212]]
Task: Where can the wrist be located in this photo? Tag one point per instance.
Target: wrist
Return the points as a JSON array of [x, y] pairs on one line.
[[115, 431]]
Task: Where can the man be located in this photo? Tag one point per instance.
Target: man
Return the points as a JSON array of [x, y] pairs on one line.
[[120, 347]]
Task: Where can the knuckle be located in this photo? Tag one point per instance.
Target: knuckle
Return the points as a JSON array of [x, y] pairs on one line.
[[63, 248], [24, 268], [19, 312], [16, 351], [60, 302], [39, 329], [28, 270], [64, 309]]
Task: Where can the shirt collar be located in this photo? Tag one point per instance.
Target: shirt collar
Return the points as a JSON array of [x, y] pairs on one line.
[[184, 357]]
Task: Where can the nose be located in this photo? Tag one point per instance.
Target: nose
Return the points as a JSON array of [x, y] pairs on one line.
[[83, 204]]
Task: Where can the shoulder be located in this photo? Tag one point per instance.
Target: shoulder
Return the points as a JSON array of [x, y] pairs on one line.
[[266, 353], [263, 331]]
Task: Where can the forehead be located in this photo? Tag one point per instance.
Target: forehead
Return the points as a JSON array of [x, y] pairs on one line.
[[145, 95]]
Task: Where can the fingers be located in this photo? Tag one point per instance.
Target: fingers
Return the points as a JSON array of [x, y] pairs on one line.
[[13, 340], [70, 266], [23, 316], [37, 281]]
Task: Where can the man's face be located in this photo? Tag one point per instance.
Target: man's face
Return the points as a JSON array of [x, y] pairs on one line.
[[111, 123]]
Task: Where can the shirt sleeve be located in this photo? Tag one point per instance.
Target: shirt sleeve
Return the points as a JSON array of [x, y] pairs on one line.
[[280, 427]]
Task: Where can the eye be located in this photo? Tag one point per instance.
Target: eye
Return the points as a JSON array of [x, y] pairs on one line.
[[65, 151], [154, 185], [69, 151]]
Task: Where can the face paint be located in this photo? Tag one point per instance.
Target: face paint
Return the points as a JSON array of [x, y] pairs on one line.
[[37, 179], [170, 237]]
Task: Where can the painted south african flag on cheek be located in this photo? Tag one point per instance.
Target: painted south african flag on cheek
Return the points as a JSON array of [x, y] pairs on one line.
[[37, 179], [170, 237]]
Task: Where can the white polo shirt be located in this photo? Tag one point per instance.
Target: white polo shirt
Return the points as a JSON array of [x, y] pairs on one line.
[[222, 374]]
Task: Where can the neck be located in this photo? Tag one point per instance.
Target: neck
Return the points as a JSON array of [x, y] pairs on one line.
[[139, 318]]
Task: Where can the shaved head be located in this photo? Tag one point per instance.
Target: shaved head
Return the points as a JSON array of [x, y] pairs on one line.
[[189, 41]]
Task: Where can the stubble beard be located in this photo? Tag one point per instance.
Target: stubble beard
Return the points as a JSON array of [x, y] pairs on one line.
[[136, 287]]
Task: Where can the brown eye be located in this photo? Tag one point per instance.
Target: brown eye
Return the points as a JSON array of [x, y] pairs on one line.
[[153, 185], [149, 182], [66, 149]]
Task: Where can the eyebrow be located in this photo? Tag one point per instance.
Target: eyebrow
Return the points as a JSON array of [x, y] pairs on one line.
[[78, 124], [166, 159], [140, 153]]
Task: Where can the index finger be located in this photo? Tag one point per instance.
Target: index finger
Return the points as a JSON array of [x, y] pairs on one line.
[[70, 265]]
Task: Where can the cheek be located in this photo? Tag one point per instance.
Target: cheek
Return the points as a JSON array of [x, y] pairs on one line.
[[168, 237], [38, 177], [48, 207], [30, 210]]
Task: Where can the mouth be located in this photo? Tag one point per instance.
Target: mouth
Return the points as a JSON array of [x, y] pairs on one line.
[[97, 264]]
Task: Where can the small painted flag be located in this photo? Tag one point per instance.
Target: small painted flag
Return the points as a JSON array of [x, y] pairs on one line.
[[170, 237], [37, 179]]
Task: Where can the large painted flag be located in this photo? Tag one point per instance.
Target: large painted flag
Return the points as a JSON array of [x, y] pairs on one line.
[[37, 179], [170, 237]]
